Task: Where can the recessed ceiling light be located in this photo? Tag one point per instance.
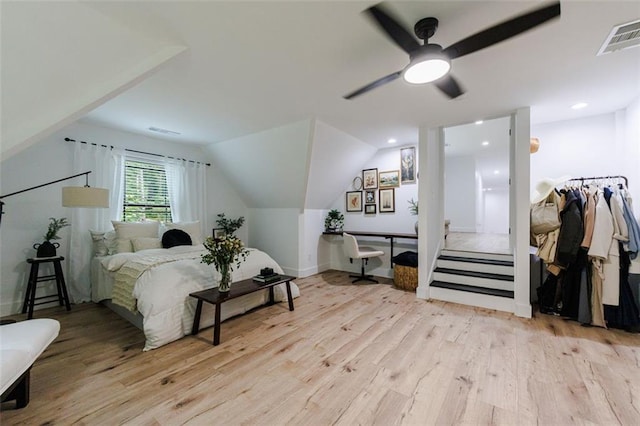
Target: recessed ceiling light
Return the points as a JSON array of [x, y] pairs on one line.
[[479, 122], [485, 143], [391, 140], [165, 131], [579, 105], [496, 172], [488, 189]]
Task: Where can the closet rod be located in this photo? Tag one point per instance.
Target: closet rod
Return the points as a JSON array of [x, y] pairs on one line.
[[582, 179], [138, 152]]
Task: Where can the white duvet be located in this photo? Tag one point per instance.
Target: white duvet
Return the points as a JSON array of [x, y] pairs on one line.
[[162, 292]]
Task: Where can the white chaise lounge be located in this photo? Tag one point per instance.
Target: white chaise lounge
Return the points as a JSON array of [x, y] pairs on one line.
[[21, 343]]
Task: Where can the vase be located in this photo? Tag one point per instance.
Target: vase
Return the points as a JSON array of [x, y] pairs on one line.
[[224, 285], [46, 249], [416, 226]]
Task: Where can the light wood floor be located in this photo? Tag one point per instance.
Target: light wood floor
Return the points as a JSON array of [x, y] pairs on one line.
[[478, 242], [349, 354]]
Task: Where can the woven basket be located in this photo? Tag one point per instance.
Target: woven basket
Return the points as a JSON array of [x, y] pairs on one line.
[[405, 277]]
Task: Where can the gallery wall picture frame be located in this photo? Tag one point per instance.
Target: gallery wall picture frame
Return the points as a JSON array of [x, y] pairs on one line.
[[354, 201], [387, 200], [408, 165], [357, 183], [369, 209], [370, 196], [370, 179], [389, 179], [218, 233]]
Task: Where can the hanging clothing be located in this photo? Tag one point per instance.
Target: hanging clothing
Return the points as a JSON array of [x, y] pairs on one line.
[[571, 230], [589, 220], [633, 245]]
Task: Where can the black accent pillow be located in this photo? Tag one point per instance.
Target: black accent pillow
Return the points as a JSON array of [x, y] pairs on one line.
[[175, 237]]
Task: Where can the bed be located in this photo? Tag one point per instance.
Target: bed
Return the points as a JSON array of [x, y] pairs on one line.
[[159, 282]]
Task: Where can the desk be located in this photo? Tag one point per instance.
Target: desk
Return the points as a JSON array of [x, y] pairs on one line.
[[386, 235]]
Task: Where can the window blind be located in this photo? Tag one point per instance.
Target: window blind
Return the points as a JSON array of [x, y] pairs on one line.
[[145, 192]]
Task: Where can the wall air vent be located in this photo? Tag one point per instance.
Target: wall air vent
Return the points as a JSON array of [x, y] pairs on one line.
[[622, 37], [165, 131]]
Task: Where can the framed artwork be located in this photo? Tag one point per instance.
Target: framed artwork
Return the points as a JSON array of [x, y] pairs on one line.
[[370, 197], [408, 165], [357, 183], [387, 200], [390, 179], [218, 233], [369, 209], [370, 179], [354, 201]]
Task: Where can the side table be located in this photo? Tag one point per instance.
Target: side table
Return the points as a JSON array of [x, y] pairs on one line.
[[30, 295]]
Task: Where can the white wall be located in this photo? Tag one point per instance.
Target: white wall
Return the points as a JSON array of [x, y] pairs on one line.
[[27, 215], [269, 169], [276, 232], [496, 211], [460, 193]]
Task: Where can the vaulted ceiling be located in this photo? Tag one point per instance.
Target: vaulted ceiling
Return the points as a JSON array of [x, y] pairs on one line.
[[250, 66]]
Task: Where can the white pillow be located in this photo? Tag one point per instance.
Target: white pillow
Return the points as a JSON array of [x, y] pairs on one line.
[[126, 231], [145, 243], [192, 228], [99, 245], [110, 240]]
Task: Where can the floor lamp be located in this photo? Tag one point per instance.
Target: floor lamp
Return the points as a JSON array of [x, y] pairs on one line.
[[72, 196]]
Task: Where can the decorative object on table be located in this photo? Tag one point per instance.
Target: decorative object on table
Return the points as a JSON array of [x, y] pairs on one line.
[[413, 209], [47, 248], [334, 221], [408, 165], [370, 197], [370, 179], [218, 233], [387, 200], [389, 179], [369, 209], [223, 253], [357, 183], [229, 225], [267, 275], [354, 201]]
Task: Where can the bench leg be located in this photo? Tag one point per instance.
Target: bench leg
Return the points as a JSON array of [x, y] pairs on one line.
[[196, 318], [216, 326], [20, 392], [289, 297]]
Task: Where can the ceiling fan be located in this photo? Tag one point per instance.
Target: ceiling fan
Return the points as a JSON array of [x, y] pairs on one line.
[[429, 62]]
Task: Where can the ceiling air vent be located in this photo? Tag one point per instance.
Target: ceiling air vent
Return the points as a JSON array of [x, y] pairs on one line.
[[622, 37], [165, 131]]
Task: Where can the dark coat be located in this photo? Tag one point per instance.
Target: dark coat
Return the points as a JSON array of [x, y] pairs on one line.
[[571, 230]]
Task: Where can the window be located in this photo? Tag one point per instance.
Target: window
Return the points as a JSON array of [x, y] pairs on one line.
[[145, 192]]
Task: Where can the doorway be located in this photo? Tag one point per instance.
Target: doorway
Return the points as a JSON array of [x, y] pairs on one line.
[[476, 183]]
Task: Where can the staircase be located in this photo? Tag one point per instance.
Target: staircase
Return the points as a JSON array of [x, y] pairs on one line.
[[477, 279]]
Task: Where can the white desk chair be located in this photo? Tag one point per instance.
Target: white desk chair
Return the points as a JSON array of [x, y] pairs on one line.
[[353, 251]]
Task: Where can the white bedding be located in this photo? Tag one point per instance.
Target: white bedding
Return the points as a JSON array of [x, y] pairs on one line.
[[162, 292]]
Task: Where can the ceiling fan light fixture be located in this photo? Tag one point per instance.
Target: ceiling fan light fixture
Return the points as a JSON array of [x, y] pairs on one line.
[[428, 65]]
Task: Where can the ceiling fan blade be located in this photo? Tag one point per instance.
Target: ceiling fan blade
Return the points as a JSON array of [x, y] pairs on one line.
[[503, 31], [449, 86], [371, 86], [393, 29]]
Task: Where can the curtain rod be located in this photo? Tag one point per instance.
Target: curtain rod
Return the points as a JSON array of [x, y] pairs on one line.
[[138, 152]]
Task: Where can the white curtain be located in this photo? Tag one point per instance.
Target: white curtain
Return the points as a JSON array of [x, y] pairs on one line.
[[107, 171], [186, 182]]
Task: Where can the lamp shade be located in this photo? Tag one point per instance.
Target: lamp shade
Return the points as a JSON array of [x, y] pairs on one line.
[[85, 196]]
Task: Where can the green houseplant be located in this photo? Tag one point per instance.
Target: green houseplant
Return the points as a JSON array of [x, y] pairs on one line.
[[47, 248], [229, 225], [413, 209], [334, 221]]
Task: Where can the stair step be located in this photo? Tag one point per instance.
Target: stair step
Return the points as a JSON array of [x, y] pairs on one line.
[[476, 274], [473, 289], [477, 260], [476, 255]]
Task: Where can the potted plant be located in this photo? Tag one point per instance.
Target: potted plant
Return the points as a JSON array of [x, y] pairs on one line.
[[229, 225], [334, 221], [413, 209], [47, 248]]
